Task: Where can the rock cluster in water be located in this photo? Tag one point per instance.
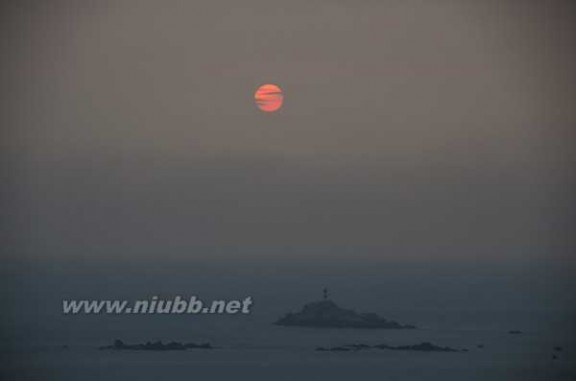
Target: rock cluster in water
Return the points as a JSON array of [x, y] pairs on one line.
[[422, 347], [156, 346]]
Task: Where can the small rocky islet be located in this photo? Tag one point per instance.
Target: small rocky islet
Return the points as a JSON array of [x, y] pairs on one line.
[[327, 314], [422, 347], [156, 346]]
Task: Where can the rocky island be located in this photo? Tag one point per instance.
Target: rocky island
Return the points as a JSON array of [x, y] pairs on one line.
[[327, 314]]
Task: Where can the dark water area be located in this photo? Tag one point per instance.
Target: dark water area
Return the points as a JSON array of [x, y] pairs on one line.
[[468, 311]]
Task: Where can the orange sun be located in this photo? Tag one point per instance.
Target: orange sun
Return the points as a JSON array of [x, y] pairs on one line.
[[269, 97]]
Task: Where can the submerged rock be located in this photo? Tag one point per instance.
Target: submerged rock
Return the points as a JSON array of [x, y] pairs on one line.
[[334, 349]]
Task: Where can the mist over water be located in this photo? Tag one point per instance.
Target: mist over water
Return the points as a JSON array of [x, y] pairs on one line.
[[457, 307], [421, 168]]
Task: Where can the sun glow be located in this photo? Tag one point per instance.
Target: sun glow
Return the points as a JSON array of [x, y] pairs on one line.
[[269, 97]]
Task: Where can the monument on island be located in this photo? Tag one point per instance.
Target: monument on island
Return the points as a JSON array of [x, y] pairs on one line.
[[327, 314]]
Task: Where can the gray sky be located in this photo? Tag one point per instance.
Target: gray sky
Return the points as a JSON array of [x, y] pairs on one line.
[[411, 130]]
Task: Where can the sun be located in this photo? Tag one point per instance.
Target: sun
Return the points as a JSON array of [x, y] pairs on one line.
[[269, 97]]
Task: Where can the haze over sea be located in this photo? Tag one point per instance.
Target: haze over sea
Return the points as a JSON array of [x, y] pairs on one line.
[[460, 308], [421, 167]]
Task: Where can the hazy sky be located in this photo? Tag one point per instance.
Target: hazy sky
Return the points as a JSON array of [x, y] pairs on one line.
[[411, 130]]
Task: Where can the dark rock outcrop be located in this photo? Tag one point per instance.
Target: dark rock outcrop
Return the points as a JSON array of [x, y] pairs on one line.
[[328, 314], [422, 347], [156, 346]]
